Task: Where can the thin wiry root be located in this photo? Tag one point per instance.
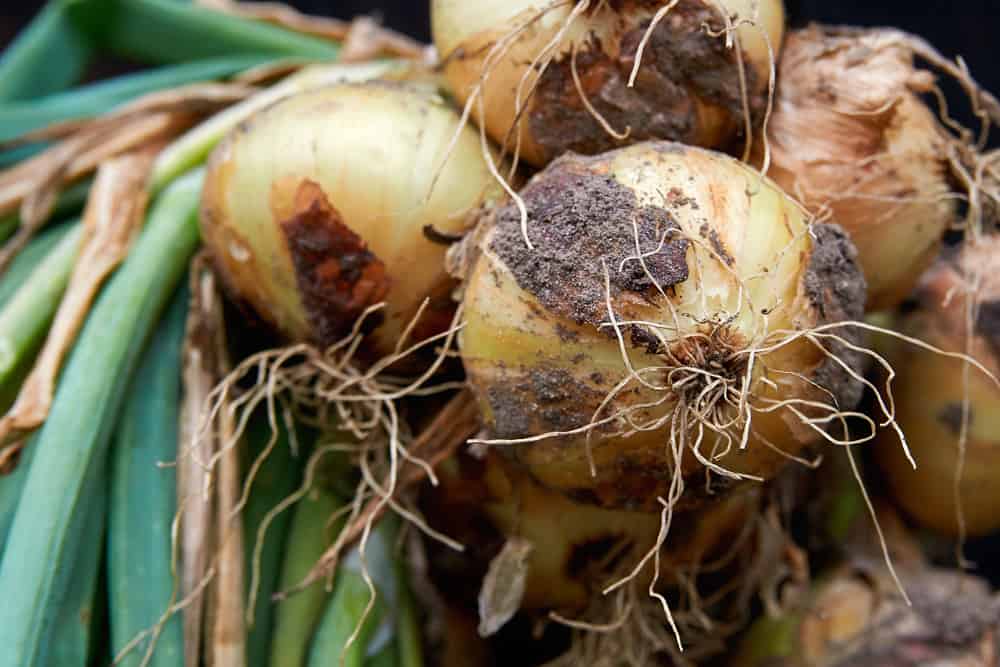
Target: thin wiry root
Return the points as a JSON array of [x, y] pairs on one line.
[[625, 626], [329, 390]]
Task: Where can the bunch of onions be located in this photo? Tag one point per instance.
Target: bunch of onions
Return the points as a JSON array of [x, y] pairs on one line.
[[655, 329], [315, 210], [576, 548], [558, 76], [948, 409], [850, 138]]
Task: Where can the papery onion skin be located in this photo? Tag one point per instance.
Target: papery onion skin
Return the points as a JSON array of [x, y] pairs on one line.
[[540, 359], [577, 548], [849, 133], [688, 88], [929, 391], [314, 209]]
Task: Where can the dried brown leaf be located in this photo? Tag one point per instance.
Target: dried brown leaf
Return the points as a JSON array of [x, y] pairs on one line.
[[195, 98], [42, 178], [229, 628], [364, 39], [198, 444], [114, 214]]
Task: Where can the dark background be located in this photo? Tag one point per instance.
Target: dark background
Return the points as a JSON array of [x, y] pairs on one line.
[[967, 27]]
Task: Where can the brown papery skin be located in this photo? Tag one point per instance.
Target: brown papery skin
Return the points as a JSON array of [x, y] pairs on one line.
[[929, 390], [851, 139]]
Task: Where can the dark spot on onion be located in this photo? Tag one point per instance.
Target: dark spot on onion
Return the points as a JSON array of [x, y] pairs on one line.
[[337, 276], [988, 324], [683, 67], [951, 416]]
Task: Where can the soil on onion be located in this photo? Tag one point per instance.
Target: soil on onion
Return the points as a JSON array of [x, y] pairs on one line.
[[576, 219], [836, 286], [680, 62]]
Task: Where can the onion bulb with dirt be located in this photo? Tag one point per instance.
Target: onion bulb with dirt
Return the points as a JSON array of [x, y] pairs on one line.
[[662, 327], [589, 76], [851, 138], [318, 208], [948, 409], [574, 550]]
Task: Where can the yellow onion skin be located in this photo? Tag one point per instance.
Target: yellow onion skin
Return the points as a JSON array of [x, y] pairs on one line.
[[688, 87], [929, 393], [850, 136], [577, 548], [736, 263], [314, 209]]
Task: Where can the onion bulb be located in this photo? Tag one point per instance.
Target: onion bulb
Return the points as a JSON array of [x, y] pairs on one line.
[[856, 618], [850, 136], [655, 325], [576, 548], [315, 209], [576, 60], [930, 391]]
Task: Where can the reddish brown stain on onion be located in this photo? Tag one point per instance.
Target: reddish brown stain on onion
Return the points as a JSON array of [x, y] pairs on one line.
[[337, 276]]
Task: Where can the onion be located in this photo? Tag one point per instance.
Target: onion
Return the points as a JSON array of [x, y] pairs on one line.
[[851, 620], [576, 548], [688, 87], [712, 323], [850, 136], [315, 209], [930, 390], [856, 618]]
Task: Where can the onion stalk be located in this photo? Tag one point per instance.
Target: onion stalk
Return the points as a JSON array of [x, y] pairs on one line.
[[316, 209], [559, 76], [661, 327], [851, 138]]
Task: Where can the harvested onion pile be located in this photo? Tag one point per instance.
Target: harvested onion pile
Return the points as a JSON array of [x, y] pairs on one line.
[[599, 333]]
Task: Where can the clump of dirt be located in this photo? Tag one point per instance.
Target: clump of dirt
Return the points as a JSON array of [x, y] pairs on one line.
[[837, 288], [578, 219], [682, 68]]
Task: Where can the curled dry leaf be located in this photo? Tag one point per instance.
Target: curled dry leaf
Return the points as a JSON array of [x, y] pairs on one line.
[[197, 447], [114, 214], [503, 587], [33, 185], [363, 38], [229, 631], [196, 98], [36, 189]]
